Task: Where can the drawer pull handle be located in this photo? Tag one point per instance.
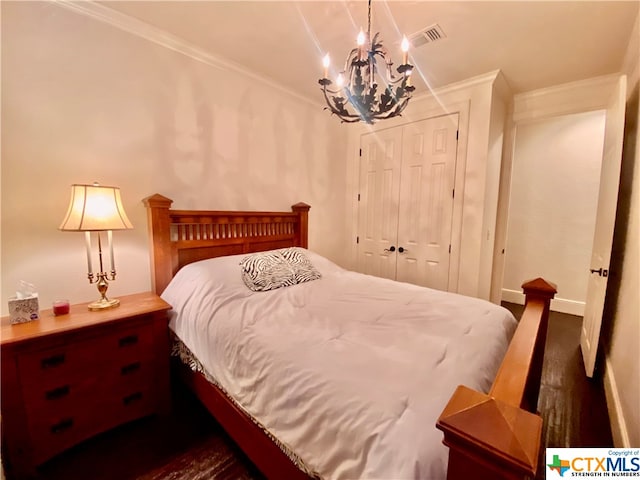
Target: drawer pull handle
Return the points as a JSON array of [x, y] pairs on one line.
[[61, 426], [128, 340], [134, 397], [57, 392], [132, 367], [53, 361]]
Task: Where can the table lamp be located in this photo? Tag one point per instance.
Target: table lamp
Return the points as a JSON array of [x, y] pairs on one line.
[[96, 208]]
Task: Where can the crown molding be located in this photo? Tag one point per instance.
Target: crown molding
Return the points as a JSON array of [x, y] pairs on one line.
[[488, 78], [601, 81], [165, 39]]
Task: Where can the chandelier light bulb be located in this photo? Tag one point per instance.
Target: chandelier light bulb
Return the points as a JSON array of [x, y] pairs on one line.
[[326, 61], [360, 41], [405, 49]]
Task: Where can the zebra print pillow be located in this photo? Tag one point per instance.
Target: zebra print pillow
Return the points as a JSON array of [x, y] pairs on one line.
[[303, 269], [278, 268], [266, 271]]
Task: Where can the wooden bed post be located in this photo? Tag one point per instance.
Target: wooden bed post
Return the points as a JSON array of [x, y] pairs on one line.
[[161, 254], [302, 232], [524, 386], [498, 435]]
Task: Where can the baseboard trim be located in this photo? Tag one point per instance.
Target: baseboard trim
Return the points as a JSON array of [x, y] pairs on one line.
[[614, 407], [512, 296], [563, 305]]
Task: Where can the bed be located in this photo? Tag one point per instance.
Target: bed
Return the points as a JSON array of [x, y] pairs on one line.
[[277, 368]]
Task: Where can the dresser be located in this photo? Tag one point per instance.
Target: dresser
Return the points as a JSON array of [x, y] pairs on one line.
[[66, 378]]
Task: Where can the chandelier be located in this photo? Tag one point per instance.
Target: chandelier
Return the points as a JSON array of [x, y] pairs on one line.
[[359, 82]]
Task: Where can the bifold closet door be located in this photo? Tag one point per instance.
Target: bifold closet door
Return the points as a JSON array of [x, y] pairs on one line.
[[429, 151], [378, 206], [405, 210]]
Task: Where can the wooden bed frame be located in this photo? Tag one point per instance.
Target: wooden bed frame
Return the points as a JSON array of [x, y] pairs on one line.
[[495, 435]]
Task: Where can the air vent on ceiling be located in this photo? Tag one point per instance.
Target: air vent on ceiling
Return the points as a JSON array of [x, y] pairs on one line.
[[427, 35]]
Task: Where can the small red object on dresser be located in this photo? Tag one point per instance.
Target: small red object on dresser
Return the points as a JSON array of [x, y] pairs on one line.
[[61, 307]]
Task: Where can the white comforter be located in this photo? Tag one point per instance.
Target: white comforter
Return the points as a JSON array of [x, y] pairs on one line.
[[350, 371]]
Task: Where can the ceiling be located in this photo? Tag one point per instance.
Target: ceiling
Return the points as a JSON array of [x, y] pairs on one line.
[[535, 44]]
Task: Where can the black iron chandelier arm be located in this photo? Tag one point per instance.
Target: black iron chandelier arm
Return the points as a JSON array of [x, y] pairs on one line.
[[337, 107], [352, 57], [397, 112]]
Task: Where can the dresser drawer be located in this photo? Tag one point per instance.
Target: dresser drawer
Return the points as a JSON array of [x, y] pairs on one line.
[[73, 391], [122, 374], [52, 431], [128, 343], [130, 403], [45, 368]]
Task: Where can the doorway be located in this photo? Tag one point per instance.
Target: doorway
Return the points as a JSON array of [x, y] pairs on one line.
[[608, 93], [552, 211]]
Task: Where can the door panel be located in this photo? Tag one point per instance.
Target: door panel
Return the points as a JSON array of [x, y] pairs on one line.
[[426, 201], [406, 201], [605, 220], [378, 206]]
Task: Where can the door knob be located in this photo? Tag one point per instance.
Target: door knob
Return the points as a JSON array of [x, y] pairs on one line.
[[390, 249], [402, 249], [603, 272]]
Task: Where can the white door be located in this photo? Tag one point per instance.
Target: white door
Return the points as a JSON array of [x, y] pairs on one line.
[[378, 206], [605, 220], [406, 201], [429, 150]]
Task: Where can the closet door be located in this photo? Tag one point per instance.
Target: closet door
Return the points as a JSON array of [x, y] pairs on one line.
[[378, 206], [429, 151]]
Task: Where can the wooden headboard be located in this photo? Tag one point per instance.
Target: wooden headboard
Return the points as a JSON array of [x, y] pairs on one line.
[[180, 237]]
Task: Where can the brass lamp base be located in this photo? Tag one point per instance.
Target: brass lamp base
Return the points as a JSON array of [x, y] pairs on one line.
[[103, 303]]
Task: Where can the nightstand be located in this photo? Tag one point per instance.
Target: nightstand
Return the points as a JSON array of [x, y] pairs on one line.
[[67, 378]]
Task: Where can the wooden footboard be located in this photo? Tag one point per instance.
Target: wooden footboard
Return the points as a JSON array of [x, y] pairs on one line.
[[497, 435]]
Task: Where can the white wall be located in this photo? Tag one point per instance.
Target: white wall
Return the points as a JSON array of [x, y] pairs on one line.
[[552, 211], [622, 362], [84, 101]]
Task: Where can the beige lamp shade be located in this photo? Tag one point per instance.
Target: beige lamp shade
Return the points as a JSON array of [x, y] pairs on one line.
[[94, 208]]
